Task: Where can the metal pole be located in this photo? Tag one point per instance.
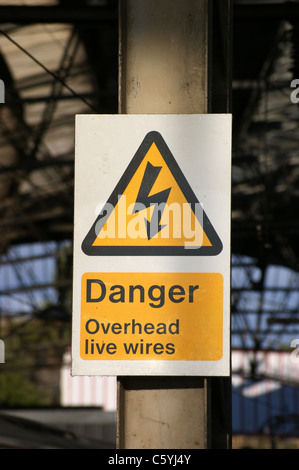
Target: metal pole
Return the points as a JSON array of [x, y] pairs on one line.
[[164, 56], [164, 69]]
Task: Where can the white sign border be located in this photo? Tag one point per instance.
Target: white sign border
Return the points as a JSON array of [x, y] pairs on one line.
[[209, 134]]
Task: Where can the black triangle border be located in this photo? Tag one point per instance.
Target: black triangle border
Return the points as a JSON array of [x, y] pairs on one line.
[[150, 138]]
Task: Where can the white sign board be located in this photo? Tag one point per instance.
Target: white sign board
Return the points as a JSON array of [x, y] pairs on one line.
[[151, 288]]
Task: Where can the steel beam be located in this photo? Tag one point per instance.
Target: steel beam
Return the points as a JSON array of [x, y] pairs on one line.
[[93, 14], [266, 12], [57, 14]]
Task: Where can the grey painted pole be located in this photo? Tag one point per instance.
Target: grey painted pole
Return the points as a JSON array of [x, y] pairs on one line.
[[164, 68]]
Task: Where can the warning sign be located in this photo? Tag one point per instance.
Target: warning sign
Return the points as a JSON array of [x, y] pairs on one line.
[[151, 276], [152, 210], [157, 315]]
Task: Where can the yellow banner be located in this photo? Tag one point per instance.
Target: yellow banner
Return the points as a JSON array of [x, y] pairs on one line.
[[152, 316]]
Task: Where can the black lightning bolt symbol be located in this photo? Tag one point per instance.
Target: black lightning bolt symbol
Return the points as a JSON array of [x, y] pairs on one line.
[[158, 200]]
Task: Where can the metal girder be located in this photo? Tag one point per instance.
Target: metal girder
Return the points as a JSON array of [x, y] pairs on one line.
[[266, 12], [94, 14], [57, 14]]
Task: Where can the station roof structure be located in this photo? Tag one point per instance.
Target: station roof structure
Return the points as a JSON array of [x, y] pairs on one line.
[[60, 58]]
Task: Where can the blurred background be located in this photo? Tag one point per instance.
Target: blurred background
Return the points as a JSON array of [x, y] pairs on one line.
[[63, 62]]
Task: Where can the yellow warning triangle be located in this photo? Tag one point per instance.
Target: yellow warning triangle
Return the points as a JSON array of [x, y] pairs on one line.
[[152, 211]]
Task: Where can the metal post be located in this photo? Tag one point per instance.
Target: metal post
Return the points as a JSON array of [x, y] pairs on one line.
[[164, 56], [165, 69]]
